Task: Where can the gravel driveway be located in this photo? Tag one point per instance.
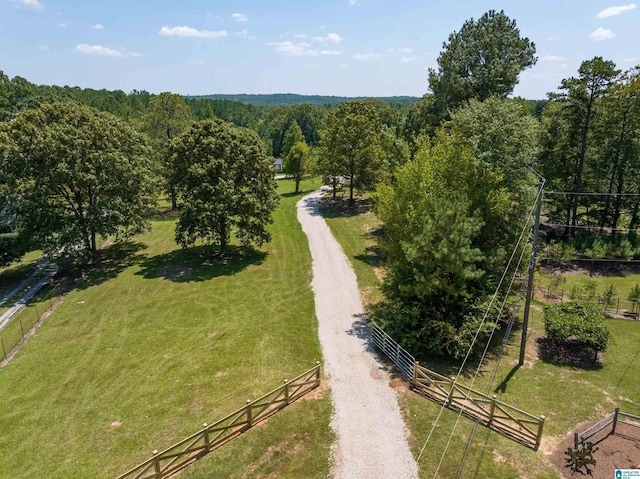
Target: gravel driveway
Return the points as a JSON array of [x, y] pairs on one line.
[[370, 432]]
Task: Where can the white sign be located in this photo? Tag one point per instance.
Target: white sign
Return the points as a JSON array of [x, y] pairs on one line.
[[627, 473]]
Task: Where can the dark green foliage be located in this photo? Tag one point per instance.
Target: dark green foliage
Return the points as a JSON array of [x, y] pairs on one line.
[[12, 247], [578, 319], [76, 174], [351, 146], [581, 456], [225, 184], [483, 59]]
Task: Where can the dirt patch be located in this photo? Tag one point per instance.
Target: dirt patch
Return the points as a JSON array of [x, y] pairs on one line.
[[590, 267], [618, 451]]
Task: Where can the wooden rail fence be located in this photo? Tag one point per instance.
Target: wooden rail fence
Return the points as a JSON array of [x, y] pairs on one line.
[[507, 420], [614, 419], [212, 436]]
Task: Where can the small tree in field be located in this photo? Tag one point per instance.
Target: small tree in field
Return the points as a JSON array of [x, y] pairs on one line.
[[578, 319]]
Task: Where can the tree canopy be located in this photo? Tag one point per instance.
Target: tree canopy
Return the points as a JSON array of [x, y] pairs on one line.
[[225, 184], [351, 146], [481, 60], [77, 174]]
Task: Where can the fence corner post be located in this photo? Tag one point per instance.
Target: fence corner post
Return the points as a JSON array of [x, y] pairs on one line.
[[450, 395], [615, 420], [317, 373], [540, 428], [414, 377], [156, 465]]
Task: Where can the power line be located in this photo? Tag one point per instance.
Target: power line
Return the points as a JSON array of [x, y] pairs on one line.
[[488, 341], [493, 298], [589, 194]]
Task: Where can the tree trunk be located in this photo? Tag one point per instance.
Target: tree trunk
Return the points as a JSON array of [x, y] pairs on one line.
[[583, 151]]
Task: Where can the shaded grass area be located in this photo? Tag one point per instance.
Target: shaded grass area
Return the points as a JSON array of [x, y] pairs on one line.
[[357, 230], [144, 350], [566, 395]]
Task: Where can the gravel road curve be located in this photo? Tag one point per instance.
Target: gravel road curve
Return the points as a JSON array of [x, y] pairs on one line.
[[371, 441]]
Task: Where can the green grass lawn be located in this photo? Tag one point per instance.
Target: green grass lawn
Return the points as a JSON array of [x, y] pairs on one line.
[[565, 395], [144, 350]]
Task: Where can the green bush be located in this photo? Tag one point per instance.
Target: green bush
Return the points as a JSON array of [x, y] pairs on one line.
[[578, 319]]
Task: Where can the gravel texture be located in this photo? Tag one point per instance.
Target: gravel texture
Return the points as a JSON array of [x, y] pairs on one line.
[[371, 440]]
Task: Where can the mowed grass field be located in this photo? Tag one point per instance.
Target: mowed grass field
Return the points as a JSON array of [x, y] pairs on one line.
[[144, 350], [566, 395]]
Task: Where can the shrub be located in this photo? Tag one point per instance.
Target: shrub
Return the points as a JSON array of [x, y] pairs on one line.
[[581, 456], [578, 319]]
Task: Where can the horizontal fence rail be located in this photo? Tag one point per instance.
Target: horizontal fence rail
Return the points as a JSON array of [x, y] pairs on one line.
[[507, 420], [396, 353], [614, 419], [175, 458]]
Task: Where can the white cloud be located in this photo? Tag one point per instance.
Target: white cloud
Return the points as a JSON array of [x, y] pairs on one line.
[[184, 31], [32, 4], [310, 66], [552, 58], [300, 49], [100, 50], [241, 33], [617, 10], [353, 2], [602, 34], [198, 62], [239, 17], [44, 48], [366, 56], [553, 38], [300, 35], [630, 59], [97, 26], [330, 38], [408, 59], [404, 50], [64, 25]]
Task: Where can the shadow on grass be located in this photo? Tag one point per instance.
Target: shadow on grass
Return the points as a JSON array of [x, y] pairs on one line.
[[199, 264], [111, 262], [343, 208], [571, 352]]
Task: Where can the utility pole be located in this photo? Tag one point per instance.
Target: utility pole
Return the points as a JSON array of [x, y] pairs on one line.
[[532, 267]]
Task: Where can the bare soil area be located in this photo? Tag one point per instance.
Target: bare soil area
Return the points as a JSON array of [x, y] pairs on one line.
[[618, 451]]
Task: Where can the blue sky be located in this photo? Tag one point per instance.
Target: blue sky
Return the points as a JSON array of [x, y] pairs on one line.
[[325, 47]]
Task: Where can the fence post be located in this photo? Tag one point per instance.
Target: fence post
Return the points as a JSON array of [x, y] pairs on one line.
[[615, 420], [575, 440], [540, 428], [249, 418], [205, 437], [156, 465], [286, 391], [618, 307], [414, 376], [317, 373], [493, 406], [453, 382]]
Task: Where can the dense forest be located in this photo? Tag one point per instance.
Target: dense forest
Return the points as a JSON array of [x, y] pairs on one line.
[[452, 174]]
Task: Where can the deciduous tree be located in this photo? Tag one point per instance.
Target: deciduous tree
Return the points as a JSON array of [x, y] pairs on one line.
[[225, 184], [78, 174], [351, 146]]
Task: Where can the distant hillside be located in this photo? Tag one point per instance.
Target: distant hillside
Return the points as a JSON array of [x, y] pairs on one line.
[[287, 99]]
